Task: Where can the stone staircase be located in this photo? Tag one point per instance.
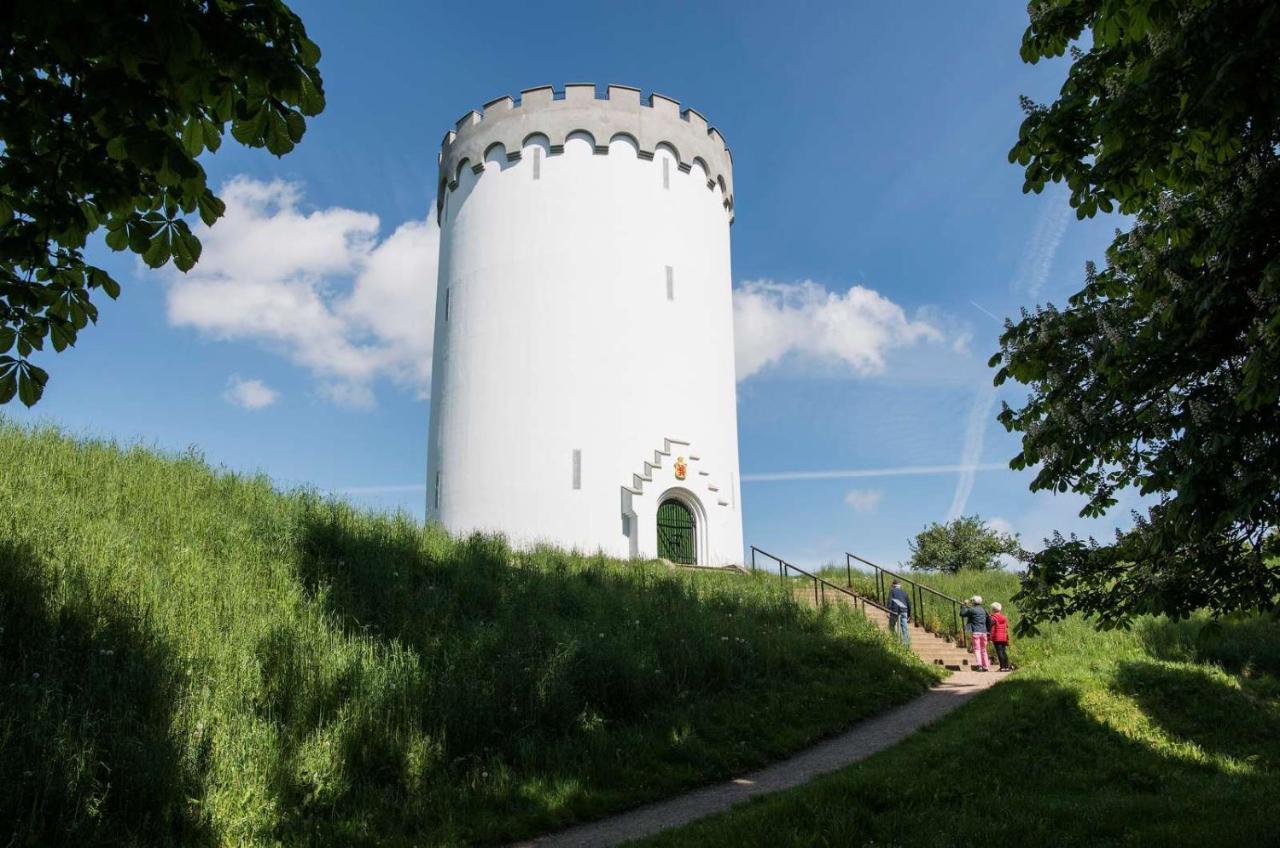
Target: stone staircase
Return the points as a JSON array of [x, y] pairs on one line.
[[929, 647], [815, 590]]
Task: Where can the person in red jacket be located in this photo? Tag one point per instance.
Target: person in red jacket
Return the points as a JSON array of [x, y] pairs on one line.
[[1000, 636]]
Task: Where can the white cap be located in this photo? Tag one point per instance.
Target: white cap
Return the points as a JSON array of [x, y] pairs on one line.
[[977, 599], [996, 606]]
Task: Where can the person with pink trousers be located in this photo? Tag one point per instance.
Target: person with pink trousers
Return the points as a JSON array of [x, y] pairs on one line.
[[976, 623]]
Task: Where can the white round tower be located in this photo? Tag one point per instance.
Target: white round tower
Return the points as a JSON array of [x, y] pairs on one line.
[[583, 389]]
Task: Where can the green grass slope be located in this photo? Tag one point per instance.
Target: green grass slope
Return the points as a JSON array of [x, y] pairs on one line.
[[192, 657], [1168, 734]]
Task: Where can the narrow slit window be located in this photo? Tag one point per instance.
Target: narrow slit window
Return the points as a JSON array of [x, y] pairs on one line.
[[436, 496], [577, 468], [666, 173], [671, 283], [448, 296], [537, 163]]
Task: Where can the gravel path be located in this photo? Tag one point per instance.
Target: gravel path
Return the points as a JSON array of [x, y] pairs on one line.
[[858, 743]]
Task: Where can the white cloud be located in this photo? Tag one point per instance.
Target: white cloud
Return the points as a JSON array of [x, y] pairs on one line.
[[318, 286], [249, 394], [855, 329], [1001, 525], [863, 500]]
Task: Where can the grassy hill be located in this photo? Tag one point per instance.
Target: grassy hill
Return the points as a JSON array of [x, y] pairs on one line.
[[1166, 734], [193, 657]]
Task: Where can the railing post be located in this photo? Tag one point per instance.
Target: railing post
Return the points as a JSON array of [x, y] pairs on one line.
[[848, 571], [753, 557]]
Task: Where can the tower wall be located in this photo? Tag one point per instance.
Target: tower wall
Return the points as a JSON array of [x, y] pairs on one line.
[[584, 326]]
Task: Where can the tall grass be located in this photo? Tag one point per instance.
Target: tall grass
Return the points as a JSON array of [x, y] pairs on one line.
[[193, 657]]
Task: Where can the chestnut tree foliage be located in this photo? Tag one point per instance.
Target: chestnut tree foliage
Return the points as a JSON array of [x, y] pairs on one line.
[[105, 106], [1163, 372]]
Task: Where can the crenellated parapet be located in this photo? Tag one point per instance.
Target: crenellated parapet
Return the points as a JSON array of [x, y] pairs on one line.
[[649, 123]]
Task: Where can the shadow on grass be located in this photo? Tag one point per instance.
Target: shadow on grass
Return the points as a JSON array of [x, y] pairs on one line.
[[550, 687], [1023, 764], [88, 752], [1196, 706], [1248, 645]]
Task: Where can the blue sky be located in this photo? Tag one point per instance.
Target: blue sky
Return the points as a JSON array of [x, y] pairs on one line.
[[872, 193]]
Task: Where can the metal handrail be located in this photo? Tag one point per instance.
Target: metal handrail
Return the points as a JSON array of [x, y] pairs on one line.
[[918, 591], [820, 584]]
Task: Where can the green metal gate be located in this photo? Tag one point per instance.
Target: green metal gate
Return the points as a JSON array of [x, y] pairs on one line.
[[677, 532]]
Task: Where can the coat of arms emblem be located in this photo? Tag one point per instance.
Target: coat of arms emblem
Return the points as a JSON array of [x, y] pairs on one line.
[[681, 468]]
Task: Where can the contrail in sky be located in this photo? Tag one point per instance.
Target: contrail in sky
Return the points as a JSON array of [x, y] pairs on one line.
[[765, 477], [382, 490], [974, 436], [987, 312], [849, 474], [1040, 251]]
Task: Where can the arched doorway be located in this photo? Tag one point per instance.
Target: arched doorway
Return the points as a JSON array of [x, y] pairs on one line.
[[677, 532]]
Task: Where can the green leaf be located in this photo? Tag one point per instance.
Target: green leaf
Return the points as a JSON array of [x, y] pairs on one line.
[[193, 136], [296, 125], [8, 380], [118, 239], [308, 51], [158, 251], [250, 130], [30, 386], [90, 213], [211, 208], [62, 334], [32, 338], [212, 135], [139, 241], [277, 135], [311, 97], [186, 250]]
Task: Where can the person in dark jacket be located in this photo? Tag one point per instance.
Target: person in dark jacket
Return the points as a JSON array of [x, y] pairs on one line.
[[900, 612], [1000, 636], [976, 622]]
